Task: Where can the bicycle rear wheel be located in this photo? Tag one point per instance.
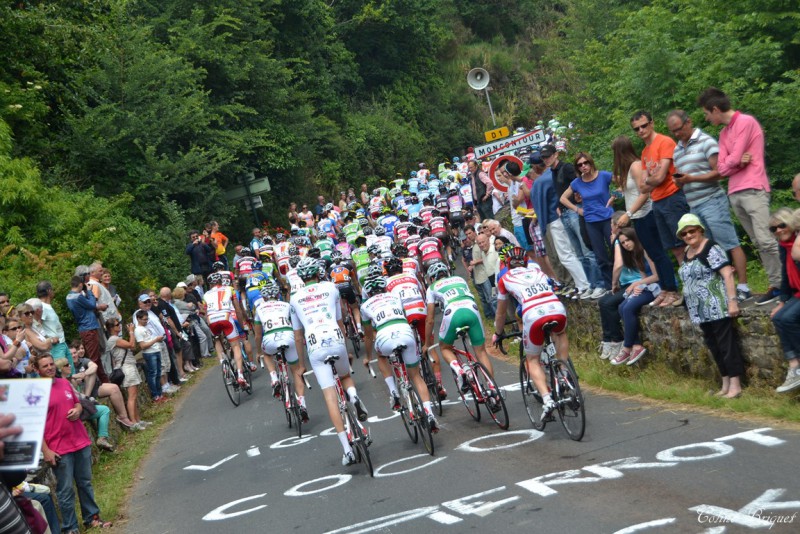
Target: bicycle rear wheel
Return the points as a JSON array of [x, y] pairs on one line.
[[469, 400], [421, 419], [406, 413], [530, 396], [430, 381], [294, 409], [493, 397], [570, 401], [231, 386], [359, 442], [248, 376]]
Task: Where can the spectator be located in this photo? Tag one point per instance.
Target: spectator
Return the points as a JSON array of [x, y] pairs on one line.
[[741, 159], [220, 242], [122, 357], [177, 324], [483, 265], [5, 304], [201, 254], [157, 331], [319, 208], [483, 188], [364, 195], [796, 187], [669, 202], [537, 238], [634, 270], [593, 187], [105, 279], [106, 305], [293, 216], [85, 379], [34, 335], [562, 176], [188, 311], [695, 159], [307, 216], [710, 294], [496, 230], [786, 316], [82, 303], [518, 193], [16, 356], [255, 242], [102, 413], [342, 205], [151, 353], [67, 448]]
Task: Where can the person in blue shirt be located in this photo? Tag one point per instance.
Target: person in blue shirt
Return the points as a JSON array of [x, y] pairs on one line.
[[82, 303]]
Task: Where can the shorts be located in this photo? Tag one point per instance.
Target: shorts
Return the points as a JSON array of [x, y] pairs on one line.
[[715, 212], [668, 211], [347, 293], [166, 362], [519, 233], [427, 263], [457, 220], [225, 328], [324, 342], [443, 237], [420, 318], [459, 314], [533, 322], [270, 344], [391, 337]]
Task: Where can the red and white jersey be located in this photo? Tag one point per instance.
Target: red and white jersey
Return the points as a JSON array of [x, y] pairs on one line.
[[375, 205], [244, 265], [283, 265], [423, 174], [401, 231], [316, 306], [412, 244], [528, 285], [226, 274], [430, 249], [426, 214], [410, 265], [281, 249], [219, 303], [406, 287], [438, 225]]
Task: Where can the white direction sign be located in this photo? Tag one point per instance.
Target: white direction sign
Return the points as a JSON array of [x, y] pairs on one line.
[[507, 145]]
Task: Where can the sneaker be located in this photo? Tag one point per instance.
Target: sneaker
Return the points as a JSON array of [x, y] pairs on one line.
[[464, 386], [276, 389], [253, 367], [547, 408], [743, 295], [575, 294], [303, 414], [144, 424], [636, 355], [104, 444], [598, 292], [348, 458], [361, 410], [771, 295], [621, 357], [183, 379], [586, 294], [442, 391], [605, 350], [241, 380], [394, 402], [433, 423], [792, 381], [669, 299]]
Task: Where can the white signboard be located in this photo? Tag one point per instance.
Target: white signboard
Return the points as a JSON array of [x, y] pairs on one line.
[[507, 145]]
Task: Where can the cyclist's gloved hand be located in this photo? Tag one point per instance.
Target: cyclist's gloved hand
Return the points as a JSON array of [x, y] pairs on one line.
[[495, 340]]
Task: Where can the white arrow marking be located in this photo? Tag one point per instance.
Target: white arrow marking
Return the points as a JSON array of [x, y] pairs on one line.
[[209, 467]]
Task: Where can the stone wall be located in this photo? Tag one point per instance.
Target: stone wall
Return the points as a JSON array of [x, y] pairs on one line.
[[670, 337]]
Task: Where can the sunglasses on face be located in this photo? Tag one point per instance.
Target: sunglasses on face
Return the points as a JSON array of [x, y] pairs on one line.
[[640, 127], [27, 313], [12, 329], [678, 129], [688, 231], [778, 226], [148, 301], [583, 163], [4, 303]]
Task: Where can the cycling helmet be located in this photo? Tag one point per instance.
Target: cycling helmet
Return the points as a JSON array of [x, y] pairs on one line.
[[353, 206], [442, 188], [374, 285], [367, 230], [464, 180], [336, 256], [271, 290], [308, 268], [386, 210], [329, 206], [294, 231], [314, 253], [456, 159], [280, 237], [268, 240], [257, 265], [414, 199], [503, 254], [438, 270], [406, 192], [413, 174], [292, 250], [453, 188], [516, 257], [423, 187], [421, 165], [360, 241], [246, 252], [360, 212], [432, 177], [424, 231], [374, 250], [413, 229], [303, 242], [215, 279], [376, 192], [340, 237], [293, 261], [218, 266], [402, 214], [400, 250], [427, 201], [321, 234], [374, 270], [436, 213], [393, 266], [416, 220], [380, 231]]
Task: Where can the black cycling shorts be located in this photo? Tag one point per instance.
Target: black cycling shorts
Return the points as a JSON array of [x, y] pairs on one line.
[[347, 293], [443, 237]]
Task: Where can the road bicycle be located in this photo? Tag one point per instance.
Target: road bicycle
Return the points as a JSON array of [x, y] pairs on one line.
[[426, 368], [357, 435], [351, 329], [232, 387], [412, 412], [564, 388], [482, 387], [290, 404]]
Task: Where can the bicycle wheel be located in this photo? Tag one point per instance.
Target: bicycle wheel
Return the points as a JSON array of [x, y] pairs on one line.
[[530, 396], [248, 376], [421, 419], [492, 396], [469, 400], [406, 412], [430, 381], [359, 443], [294, 408], [570, 402], [231, 386]]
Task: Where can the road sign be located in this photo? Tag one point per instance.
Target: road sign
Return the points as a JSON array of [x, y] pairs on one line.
[[261, 185], [255, 202], [499, 133], [502, 160], [507, 145]]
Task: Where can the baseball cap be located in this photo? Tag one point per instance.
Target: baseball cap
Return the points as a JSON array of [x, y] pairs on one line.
[[536, 158], [181, 284], [143, 297], [687, 221], [547, 151]]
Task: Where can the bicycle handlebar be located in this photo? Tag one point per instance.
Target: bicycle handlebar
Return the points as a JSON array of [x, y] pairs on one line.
[[503, 336]]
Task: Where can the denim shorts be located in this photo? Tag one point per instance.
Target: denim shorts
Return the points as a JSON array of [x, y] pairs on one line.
[[668, 212], [715, 212], [519, 233]]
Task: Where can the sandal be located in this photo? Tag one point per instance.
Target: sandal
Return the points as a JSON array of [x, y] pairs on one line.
[[126, 425], [96, 522], [668, 300]]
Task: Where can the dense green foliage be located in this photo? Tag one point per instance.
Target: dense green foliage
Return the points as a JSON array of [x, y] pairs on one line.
[[138, 114]]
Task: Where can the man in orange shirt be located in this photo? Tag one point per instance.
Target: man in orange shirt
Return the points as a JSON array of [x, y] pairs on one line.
[[669, 203], [220, 242]]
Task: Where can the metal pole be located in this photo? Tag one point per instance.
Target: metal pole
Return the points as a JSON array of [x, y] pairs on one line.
[[246, 181], [494, 123]]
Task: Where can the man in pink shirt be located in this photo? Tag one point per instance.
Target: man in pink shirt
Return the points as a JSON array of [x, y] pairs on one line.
[[741, 159]]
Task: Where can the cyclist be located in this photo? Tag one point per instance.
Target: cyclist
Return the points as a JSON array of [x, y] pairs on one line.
[[342, 275], [222, 308], [219, 267], [431, 249], [531, 287], [400, 232], [458, 310], [441, 203], [382, 241], [360, 258], [465, 189], [376, 204], [325, 245], [326, 225], [414, 204], [426, 211], [273, 317], [253, 284], [388, 220], [315, 324], [293, 280], [385, 312], [423, 173], [407, 288], [412, 241], [350, 230]]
